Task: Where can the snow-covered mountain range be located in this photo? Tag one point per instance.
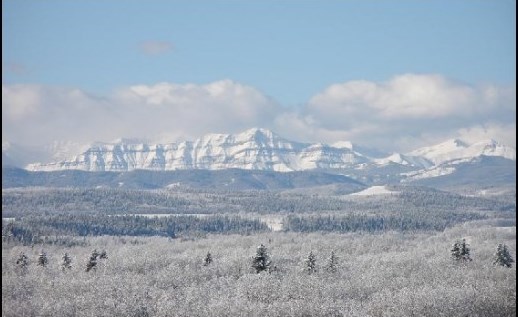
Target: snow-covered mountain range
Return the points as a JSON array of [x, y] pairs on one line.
[[261, 149], [254, 149]]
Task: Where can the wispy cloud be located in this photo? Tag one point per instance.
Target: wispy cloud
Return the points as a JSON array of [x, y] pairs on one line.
[[155, 47], [402, 113], [14, 68]]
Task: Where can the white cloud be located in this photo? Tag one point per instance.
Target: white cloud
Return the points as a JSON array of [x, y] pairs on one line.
[[35, 115], [401, 114], [155, 47], [505, 133], [14, 68], [409, 96], [191, 110], [39, 114], [19, 102], [405, 111]]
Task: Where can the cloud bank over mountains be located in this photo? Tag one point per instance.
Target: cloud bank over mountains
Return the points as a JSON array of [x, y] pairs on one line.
[[404, 112]]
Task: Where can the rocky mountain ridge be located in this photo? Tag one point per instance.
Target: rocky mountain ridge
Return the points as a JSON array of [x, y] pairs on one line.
[[261, 149]]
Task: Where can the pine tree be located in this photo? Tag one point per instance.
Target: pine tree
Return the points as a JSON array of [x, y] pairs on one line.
[[310, 264], [92, 261], [332, 263], [502, 256], [261, 261], [465, 251], [23, 261], [460, 251], [95, 254], [42, 259], [103, 255], [66, 263], [455, 251], [208, 259]]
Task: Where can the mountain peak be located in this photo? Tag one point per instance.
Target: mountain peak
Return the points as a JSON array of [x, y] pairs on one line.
[[258, 132], [451, 144], [343, 145], [263, 137], [440, 148], [459, 143]]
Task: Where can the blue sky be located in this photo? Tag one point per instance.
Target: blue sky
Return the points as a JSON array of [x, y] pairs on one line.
[[289, 51]]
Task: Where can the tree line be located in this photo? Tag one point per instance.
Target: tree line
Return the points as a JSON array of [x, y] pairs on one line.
[[261, 262], [38, 229], [377, 222]]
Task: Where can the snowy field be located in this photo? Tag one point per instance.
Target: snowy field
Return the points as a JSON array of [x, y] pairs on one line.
[[274, 222], [374, 190]]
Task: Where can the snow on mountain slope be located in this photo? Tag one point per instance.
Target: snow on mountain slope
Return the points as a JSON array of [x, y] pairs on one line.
[[254, 149], [402, 159], [455, 149], [427, 173], [447, 156]]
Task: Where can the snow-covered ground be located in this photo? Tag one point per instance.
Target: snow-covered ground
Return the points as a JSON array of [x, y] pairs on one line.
[[272, 221], [169, 215], [374, 190]]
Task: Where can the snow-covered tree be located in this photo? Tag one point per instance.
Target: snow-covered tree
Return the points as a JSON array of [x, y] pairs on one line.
[[465, 251], [66, 264], [42, 259], [103, 255], [261, 260], [460, 251], [455, 251], [22, 261], [310, 264], [502, 256], [332, 263], [7, 229], [92, 261], [208, 259]]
